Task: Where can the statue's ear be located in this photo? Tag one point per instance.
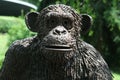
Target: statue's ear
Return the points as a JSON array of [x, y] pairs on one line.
[[31, 21], [86, 22]]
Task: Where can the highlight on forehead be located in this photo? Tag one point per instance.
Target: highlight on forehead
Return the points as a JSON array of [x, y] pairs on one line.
[[59, 14]]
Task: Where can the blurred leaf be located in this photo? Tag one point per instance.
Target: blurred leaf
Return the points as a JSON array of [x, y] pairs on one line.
[[91, 33]]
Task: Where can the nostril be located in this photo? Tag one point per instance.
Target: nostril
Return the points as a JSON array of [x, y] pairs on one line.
[[64, 31], [57, 31]]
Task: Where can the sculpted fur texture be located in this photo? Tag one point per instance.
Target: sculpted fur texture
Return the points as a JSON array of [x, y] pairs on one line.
[[57, 52]]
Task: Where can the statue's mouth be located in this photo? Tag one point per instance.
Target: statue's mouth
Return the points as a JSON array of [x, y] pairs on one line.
[[58, 47]]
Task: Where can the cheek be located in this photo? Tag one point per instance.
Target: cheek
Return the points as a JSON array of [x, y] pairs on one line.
[[43, 31], [72, 32]]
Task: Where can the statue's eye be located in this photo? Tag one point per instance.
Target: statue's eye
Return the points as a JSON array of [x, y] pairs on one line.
[[52, 22], [67, 23]]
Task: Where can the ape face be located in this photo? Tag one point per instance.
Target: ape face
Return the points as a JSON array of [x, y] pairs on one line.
[[58, 26]]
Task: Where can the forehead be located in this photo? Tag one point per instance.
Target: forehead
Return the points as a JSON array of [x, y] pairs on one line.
[[58, 10]]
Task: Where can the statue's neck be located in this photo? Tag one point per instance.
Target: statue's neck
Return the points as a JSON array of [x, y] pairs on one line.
[[60, 69]]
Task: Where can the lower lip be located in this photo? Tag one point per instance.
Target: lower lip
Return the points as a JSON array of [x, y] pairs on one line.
[[55, 49], [59, 48]]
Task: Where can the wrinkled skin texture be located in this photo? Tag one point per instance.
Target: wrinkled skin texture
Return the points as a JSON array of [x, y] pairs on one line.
[[56, 52]]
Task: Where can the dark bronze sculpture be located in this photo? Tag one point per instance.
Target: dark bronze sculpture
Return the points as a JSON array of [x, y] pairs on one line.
[[57, 52]]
